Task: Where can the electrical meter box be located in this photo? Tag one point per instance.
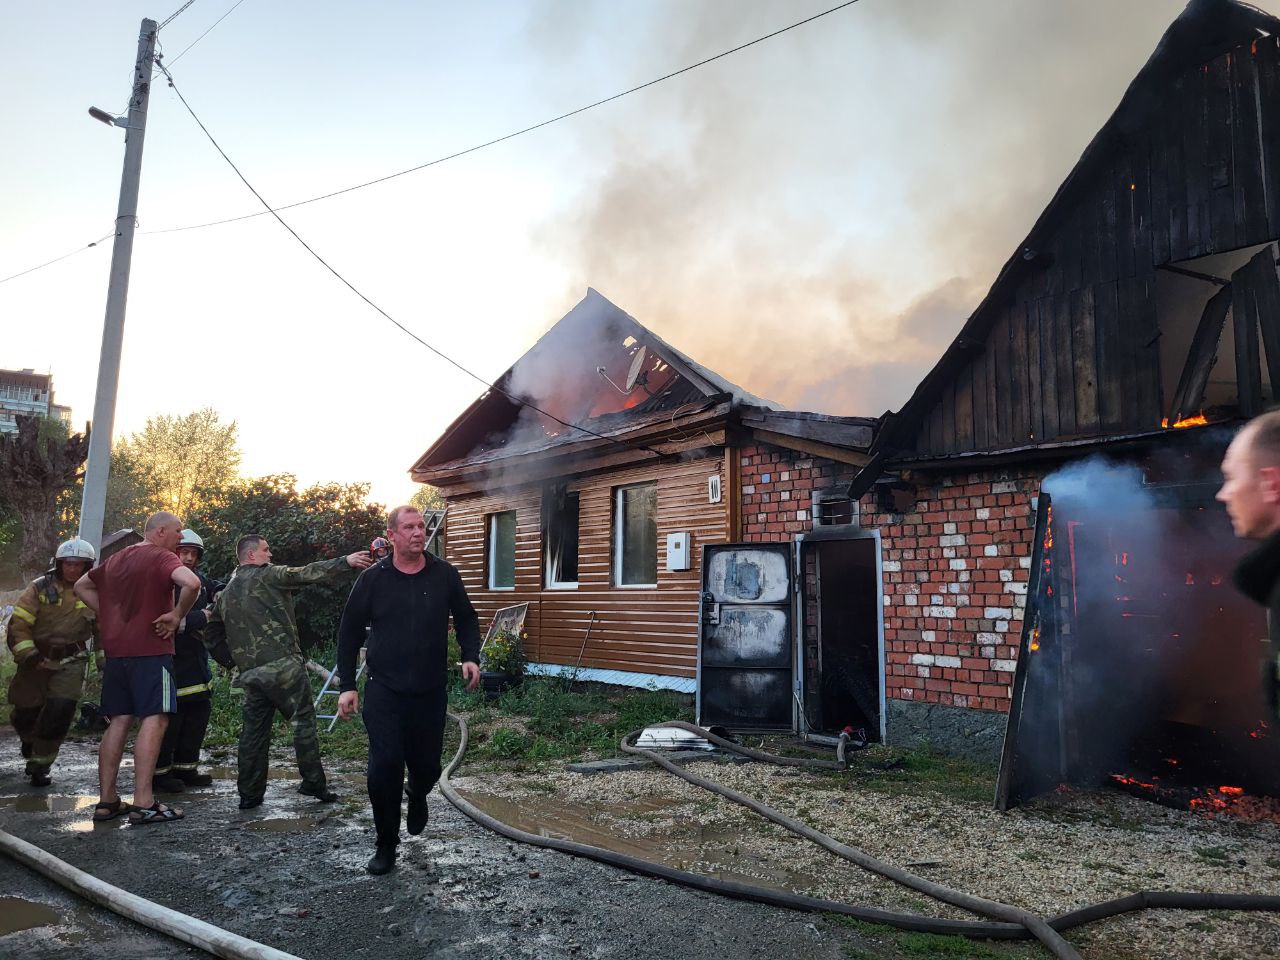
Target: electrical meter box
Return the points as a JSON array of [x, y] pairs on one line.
[[678, 551]]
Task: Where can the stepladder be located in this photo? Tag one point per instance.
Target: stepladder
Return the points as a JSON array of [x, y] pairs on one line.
[[330, 689]]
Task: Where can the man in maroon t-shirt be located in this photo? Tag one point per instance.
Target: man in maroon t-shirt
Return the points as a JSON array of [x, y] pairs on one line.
[[132, 594]]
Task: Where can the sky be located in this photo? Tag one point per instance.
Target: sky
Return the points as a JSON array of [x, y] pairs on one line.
[[813, 217]]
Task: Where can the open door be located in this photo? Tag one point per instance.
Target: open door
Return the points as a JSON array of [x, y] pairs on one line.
[[745, 646]]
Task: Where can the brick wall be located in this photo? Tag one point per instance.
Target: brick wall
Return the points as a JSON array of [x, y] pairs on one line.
[[955, 567]]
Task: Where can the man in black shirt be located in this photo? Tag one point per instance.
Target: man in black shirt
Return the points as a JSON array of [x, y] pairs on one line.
[[405, 601]]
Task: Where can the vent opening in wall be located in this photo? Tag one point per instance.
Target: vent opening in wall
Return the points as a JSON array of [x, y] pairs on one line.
[[832, 507], [713, 489]]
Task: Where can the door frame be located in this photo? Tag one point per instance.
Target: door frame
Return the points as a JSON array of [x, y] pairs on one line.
[[822, 535]]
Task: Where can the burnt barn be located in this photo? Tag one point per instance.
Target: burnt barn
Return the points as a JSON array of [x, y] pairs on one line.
[[1053, 550]]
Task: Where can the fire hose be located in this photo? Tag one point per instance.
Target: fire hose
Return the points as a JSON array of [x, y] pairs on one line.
[[1007, 923]]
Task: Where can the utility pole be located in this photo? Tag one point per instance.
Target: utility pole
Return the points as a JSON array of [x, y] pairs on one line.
[[94, 506]]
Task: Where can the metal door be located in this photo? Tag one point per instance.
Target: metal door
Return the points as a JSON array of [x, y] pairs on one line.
[[745, 647]]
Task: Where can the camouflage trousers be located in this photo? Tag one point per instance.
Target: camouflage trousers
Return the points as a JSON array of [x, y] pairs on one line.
[[282, 686], [44, 704]]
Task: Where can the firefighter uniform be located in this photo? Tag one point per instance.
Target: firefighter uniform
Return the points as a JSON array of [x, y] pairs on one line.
[[49, 635], [180, 751]]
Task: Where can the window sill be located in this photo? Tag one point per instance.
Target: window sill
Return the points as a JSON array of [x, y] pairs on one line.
[[504, 589], [636, 586], [561, 586]]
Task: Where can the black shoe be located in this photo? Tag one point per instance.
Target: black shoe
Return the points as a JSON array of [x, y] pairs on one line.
[[26, 751], [248, 803], [41, 779], [383, 861], [324, 796], [193, 778], [415, 819], [168, 783]]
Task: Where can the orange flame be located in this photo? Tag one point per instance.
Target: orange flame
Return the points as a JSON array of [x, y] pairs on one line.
[[1197, 420]]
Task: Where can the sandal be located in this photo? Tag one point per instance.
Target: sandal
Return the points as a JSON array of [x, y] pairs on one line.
[[109, 811], [156, 813]]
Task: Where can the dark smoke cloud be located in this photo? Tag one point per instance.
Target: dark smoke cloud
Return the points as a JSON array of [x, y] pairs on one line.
[[816, 217]]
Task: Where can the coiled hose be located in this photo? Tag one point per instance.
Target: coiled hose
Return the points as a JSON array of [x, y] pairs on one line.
[[1008, 923]]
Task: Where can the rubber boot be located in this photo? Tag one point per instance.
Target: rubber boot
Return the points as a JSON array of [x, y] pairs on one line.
[[416, 815], [383, 860]]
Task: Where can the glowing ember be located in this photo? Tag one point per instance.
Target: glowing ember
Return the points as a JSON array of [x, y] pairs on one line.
[[1191, 581], [1198, 420], [1232, 791]]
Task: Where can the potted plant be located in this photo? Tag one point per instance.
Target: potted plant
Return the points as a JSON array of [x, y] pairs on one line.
[[502, 662]]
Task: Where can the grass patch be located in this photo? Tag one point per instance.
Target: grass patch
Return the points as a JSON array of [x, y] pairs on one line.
[[1213, 854], [896, 771], [889, 942]]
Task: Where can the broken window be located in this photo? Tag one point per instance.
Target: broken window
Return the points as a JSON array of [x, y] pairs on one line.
[[502, 550], [635, 536], [832, 506], [560, 534]]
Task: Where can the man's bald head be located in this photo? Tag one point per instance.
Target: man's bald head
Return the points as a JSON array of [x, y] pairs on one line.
[[1251, 478], [164, 529]]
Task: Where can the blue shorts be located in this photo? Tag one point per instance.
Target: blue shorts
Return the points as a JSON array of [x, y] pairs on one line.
[[138, 686]]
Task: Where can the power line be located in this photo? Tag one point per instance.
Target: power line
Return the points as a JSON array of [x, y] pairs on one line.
[[514, 134], [49, 263], [352, 287], [173, 16], [206, 33]]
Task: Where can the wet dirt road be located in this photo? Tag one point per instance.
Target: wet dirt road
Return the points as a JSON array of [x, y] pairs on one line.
[[291, 874]]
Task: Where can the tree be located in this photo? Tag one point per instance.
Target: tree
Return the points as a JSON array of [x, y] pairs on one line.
[[320, 522], [427, 498], [39, 463], [184, 460]]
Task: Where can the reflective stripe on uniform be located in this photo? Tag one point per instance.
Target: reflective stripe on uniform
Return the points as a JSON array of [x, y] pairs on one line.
[[80, 605], [24, 614], [184, 766], [160, 771], [23, 645], [43, 761], [194, 688]]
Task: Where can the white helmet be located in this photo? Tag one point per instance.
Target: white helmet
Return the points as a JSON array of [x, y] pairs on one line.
[[76, 549], [191, 539]]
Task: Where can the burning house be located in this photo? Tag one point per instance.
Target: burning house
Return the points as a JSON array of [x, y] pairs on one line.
[[1086, 599], [605, 494]]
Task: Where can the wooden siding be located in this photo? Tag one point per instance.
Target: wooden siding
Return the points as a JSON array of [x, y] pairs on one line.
[[643, 630], [1073, 352]]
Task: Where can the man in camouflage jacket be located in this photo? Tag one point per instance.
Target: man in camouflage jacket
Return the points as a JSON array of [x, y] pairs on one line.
[[253, 628], [49, 636]]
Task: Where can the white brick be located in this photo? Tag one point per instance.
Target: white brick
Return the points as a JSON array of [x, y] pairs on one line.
[[947, 661], [784, 476], [1020, 588], [983, 513], [988, 652], [955, 540], [964, 576], [887, 600], [802, 514], [942, 613], [910, 599], [948, 528], [1002, 626], [785, 495], [928, 636], [1004, 486], [958, 564], [991, 550], [937, 599], [1004, 666], [748, 488], [922, 659], [923, 672], [891, 566], [948, 552], [987, 638], [1024, 563], [1006, 576], [997, 613]]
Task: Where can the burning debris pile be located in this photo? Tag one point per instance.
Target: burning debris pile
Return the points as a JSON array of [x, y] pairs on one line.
[[1140, 662]]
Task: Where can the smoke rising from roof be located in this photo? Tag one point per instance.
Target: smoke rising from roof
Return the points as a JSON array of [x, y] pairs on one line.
[[814, 218]]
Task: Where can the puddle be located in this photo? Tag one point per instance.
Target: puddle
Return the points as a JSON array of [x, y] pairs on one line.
[[18, 914], [231, 773], [284, 824], [47, 803], [720, 852]]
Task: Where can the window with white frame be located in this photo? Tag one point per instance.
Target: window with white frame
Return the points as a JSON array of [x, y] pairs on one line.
[[502, 550], [635, 536], [560, 535]]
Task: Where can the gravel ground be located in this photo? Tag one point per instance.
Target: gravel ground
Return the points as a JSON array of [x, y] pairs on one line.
[[1059, 853]]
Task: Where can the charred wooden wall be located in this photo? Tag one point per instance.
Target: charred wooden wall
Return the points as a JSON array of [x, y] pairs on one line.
[[1072, 347], [642, 630]]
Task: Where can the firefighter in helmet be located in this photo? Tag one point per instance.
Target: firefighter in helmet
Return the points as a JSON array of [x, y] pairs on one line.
[[177, 766], [49, 637]]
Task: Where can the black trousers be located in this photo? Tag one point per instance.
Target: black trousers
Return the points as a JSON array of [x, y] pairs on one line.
[[406, 731], [180, 749]]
